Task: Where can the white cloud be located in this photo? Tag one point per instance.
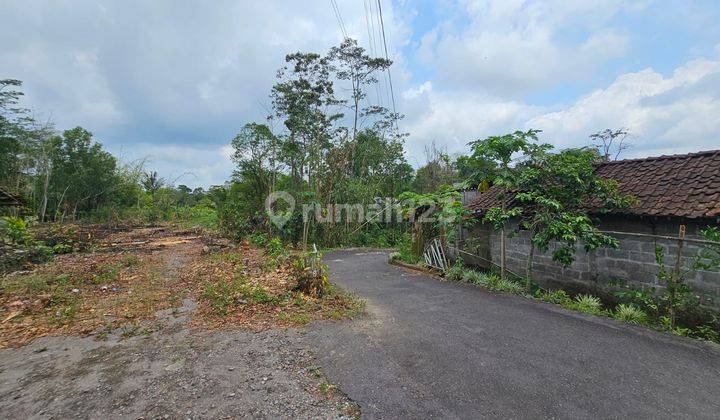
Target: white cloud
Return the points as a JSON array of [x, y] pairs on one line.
[[452, 119], [166, 72], [675, 114], [516, 47], [177, 80]]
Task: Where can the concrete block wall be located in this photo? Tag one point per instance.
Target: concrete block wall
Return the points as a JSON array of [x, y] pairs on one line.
[[633, 262]]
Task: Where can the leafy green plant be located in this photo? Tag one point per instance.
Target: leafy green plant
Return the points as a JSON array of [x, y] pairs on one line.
[[558, 297], [456, 271], [220, 296], [554, 190], [644, 300], [108, 274], [509, 286], [588, 304], [274, 247], [62, 248], [677, 293], [475, 277], [258, 239], [630, 313], [15, 230], [707, 332], [256, 293], [202, 215], [311, 275]]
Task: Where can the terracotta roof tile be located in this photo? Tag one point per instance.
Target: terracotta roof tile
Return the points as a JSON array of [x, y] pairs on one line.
[[678, 185]]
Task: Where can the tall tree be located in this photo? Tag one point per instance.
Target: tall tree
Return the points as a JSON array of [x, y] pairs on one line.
[[611, 143], [501, 150], [13, 121], [254, 151], [84, 175], [556, 191], [437, 171], [152, 182], [301, 98], [351, 63]]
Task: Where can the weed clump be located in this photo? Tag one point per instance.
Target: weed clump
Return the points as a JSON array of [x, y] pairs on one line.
[[586, 303], [630, 313]]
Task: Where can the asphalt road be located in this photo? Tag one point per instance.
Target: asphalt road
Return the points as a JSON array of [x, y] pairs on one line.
[[430, 348]]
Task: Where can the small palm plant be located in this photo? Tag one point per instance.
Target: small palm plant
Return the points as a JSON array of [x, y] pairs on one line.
[[588, 304], [630, 313]]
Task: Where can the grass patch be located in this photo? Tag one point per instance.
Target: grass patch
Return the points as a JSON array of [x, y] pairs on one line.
[[326, 388], [108, 274], [28, 286], [295, 318], [456, 272], [509, 286], [630, 313], [223, 295], [404, 251], [220, 296], [227, 257], [131, 260]]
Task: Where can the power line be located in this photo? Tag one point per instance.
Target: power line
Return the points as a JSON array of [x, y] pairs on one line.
[[382, 25], [385, 84], [336, 10], [371, 42]]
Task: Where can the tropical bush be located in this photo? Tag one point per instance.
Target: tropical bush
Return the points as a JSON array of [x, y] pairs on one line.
[[18, 246], [629, 313], [311, 275], [588, 304], [558, 297]]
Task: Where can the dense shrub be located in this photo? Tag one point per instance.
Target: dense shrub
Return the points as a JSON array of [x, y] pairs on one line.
[[18, 246]]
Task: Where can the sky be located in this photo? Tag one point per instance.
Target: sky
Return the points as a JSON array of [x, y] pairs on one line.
[[171, 82]]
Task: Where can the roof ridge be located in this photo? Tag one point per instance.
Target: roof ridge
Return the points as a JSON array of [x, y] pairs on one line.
[[663, 157]]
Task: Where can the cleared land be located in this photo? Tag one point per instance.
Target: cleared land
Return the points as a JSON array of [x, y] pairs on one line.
[[159, 321]]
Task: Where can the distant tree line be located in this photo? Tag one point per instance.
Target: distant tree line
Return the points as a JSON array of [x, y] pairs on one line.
[[324, 140]]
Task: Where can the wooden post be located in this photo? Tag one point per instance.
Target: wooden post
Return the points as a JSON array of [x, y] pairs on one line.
[[305, 233], [676, 279]]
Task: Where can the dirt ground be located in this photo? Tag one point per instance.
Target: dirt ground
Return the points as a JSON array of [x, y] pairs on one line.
[[141, 334]]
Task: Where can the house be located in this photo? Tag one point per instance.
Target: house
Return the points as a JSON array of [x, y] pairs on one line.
[[671, 191]]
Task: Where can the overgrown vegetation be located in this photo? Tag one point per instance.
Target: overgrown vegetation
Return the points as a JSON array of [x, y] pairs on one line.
[[240, 290], [327, 144], [635, 306]]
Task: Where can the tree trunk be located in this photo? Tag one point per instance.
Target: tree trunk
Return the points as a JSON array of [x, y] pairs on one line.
[[676, 280], [355, 120], [46, 185]]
